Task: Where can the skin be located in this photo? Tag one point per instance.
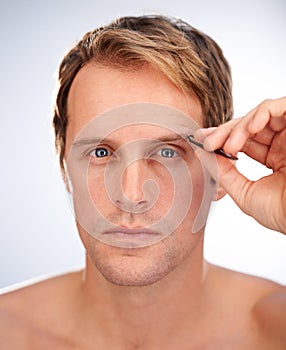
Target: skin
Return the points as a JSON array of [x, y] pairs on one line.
[[163, 296], [261, 134]]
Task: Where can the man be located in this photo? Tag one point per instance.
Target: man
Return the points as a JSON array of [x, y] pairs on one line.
[[160, 294]]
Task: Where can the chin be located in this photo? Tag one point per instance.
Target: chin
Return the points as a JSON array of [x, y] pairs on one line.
[[134, 267], [137, 267], [134, 274]]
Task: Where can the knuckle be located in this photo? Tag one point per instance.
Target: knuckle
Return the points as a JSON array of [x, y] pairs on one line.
[[267, 100]]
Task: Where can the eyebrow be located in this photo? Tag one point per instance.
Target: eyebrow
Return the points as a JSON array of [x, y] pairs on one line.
[[98, 140], [86, 142], [177, 137]]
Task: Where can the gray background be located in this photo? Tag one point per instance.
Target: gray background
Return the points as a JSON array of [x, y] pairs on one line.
[[37, 231]]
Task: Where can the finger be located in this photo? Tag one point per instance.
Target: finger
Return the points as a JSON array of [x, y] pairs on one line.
[[215, 138], [272, 112], [240, 133], [228, 177], [256, 147], [201, 134], [265, 136], [278, 124], [260, 124], [256, 150], [267, 109], [277, 161]]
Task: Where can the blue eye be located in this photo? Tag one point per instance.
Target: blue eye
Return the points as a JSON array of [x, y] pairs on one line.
[[167, 153], [100, 152]]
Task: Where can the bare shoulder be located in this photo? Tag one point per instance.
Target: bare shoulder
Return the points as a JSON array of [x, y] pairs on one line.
[[35, 309], [270, 312], [262, 299]]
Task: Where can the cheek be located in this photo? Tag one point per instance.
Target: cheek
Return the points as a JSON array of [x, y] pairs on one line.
[[200, 185], [96, 187], [203, 192]]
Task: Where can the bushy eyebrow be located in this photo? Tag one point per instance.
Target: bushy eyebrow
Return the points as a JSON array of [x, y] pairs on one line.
[[97, 140]]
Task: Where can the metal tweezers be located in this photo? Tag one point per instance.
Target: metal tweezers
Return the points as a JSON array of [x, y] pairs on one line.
[[219, 151]]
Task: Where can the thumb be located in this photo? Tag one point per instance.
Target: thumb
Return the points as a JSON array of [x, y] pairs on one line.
[[227, 176]]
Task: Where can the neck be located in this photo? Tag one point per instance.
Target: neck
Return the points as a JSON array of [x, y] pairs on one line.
[[145, 316]]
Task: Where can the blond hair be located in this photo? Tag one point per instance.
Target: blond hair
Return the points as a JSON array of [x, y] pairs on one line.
[[189, 58]]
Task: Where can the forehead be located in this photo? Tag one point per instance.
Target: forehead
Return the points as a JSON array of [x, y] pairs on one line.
[[137, 121], [97, 89]]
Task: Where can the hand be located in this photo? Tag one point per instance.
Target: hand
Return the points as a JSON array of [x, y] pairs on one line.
[[261, 134]]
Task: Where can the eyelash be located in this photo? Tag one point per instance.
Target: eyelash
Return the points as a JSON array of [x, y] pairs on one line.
[[99, 149], [171, 150]]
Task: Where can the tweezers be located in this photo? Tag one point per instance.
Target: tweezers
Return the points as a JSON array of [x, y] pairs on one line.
[[219, 151]]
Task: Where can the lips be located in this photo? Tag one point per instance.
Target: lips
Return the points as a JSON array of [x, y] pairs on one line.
[[130, 231], [130, 237]]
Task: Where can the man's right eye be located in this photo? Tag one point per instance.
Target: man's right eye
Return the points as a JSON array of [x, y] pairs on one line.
[[100, 152]]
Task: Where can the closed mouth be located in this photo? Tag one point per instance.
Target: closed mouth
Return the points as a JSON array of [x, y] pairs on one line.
[[130, 237], [130, 231]]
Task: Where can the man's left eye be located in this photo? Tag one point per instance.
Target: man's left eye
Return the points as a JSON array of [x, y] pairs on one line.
[[167, 153]]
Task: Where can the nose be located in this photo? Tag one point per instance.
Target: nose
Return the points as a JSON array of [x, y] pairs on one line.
[[137, 191]]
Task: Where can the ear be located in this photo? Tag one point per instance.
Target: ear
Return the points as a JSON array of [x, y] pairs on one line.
[[66, 178], [220, 193]]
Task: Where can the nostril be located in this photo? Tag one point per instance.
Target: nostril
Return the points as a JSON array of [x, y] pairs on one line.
[[130, 206], [147, 199]]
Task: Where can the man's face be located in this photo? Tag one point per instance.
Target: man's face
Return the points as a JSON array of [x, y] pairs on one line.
[[134, 174]]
